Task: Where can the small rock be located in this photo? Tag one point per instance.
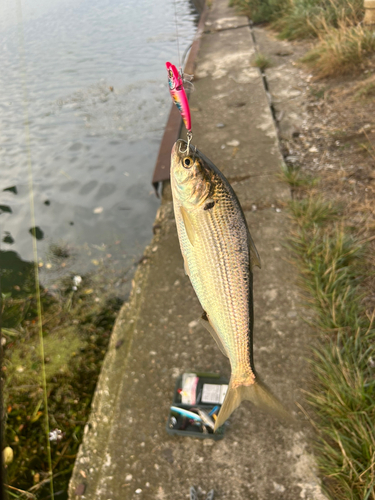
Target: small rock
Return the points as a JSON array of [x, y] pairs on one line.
[[176, 283], [208, 442], [278, 487], [314, 149], [128, 477], [80, 489], [119, 343], [278, 210], [220, 125], [138, 491], [291, 159], [233, 143], [98, 210], [193, 324], [253, 208], [155, 248]]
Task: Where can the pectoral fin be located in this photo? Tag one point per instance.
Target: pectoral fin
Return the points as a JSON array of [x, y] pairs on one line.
[[186, 266], [205, 322], [188, 225], [254, 256]]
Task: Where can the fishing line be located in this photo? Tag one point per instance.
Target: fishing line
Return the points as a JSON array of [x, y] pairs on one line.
[[21, 43], [177, 38]]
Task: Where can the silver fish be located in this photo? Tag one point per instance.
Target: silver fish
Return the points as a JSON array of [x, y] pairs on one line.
[[219, 255]]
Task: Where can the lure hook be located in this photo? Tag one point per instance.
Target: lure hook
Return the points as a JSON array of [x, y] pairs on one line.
[[189, 138]]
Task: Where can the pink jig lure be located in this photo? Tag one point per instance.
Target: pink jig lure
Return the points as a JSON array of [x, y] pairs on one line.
[[176, 88]]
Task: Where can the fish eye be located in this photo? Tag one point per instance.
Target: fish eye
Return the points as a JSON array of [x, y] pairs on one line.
[[187, 162]]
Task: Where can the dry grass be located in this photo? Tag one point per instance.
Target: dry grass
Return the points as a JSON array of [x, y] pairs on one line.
[[344, 45], [366, 90], [341, 50]]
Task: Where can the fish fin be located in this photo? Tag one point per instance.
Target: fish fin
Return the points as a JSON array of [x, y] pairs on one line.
[[254, 255], [188, 225], [206, 323], [258, 393]]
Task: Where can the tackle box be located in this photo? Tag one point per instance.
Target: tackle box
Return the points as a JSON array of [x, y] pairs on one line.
[[210, 390]]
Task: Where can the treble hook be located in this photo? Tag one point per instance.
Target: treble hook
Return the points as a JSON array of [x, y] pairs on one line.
[[189, 136]]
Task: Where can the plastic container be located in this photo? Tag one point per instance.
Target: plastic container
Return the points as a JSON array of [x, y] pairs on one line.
[[208, 387]]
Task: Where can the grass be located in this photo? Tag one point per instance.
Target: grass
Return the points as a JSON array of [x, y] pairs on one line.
[[312, 211], [295, 178], [365, 89], [262, 11], [76, 328], [262, 62], [331, 262], [341, 50], [344, 45]]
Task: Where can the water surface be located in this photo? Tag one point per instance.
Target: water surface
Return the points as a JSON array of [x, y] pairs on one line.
[[93, 82]]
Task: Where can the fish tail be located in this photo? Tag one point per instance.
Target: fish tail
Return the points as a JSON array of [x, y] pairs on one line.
[[256, 392]]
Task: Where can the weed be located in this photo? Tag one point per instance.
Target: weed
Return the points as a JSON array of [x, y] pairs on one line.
[[295, 178], [317, 93], [60, 251], [75, 341], [343, 43], [261, 11], [331, 265], [312, 211], [262, 62], [343, 390], [308, 18], [302, 18], [341, 51]]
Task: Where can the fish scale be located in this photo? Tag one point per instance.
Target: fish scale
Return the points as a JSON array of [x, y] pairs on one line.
[[219, 254], [215, 263]]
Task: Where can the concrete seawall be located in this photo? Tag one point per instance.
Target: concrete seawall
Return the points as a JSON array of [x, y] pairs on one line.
[[126, 453]]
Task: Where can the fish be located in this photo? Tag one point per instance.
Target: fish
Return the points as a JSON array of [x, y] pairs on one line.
[[206, 418], [219, 255]]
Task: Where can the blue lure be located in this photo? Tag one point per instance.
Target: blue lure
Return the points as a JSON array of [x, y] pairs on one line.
[[186, 413]]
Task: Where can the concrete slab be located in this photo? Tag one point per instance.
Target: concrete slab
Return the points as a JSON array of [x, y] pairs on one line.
[[286, 88], [126, 453]]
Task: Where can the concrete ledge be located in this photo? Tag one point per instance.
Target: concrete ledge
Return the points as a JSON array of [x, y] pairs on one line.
[[126, 453]]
